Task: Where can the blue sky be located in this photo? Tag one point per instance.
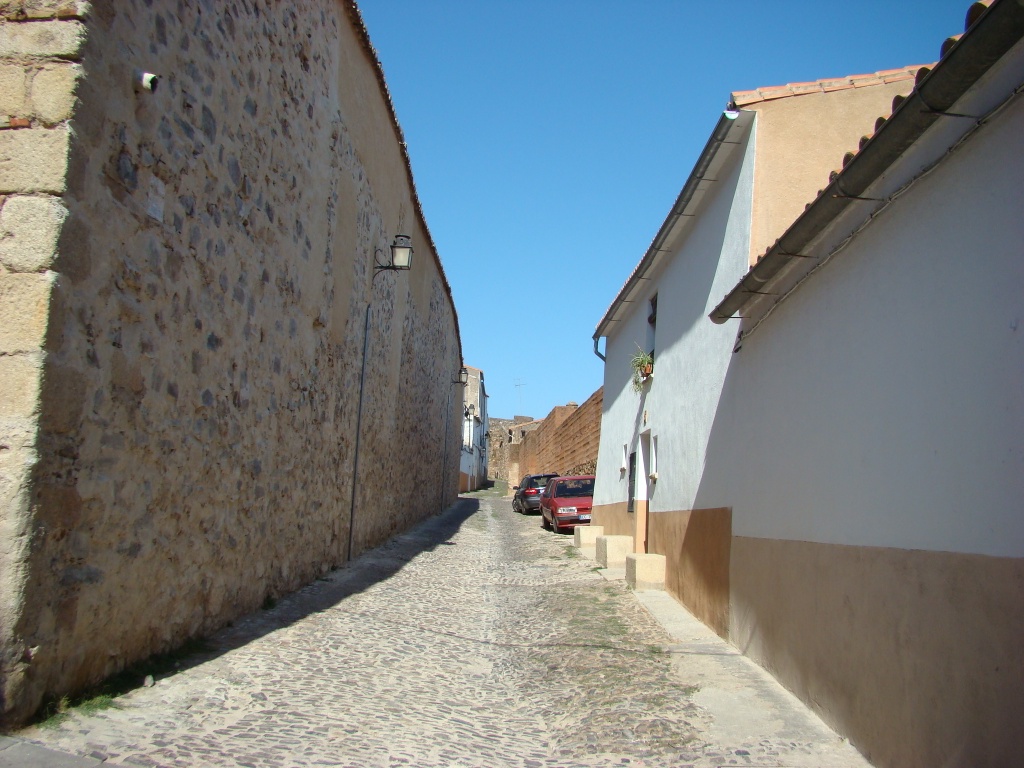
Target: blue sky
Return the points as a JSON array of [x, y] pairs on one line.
[[549, 139]]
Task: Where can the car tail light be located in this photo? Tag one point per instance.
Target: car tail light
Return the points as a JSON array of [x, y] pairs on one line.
[[530, 492]]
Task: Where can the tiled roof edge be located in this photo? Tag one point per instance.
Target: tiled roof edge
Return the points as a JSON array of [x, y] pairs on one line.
[[824, 85], [957, 70]]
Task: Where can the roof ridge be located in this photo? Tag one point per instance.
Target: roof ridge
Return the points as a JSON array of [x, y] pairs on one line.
[[823, 85]]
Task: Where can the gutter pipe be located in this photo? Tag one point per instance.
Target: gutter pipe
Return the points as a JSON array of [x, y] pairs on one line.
[[992, 35]]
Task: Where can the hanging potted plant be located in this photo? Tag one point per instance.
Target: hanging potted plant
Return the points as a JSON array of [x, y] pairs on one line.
[[643, 368]]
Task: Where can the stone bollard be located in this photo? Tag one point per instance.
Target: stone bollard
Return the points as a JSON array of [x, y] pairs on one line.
[[612, 550], [645, 571], [586, 535]]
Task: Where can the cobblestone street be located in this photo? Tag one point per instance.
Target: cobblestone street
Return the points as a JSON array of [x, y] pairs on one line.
[[477, 639]]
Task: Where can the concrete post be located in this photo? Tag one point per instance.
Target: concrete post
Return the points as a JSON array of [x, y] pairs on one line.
[[612, 550], [645, 571]]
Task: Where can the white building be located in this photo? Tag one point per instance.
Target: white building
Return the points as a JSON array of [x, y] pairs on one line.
[[473, 467], [840, 473]]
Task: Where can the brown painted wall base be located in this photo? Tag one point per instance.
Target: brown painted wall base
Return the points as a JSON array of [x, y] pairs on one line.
[[696, 545], [915, 656], [614, 517]]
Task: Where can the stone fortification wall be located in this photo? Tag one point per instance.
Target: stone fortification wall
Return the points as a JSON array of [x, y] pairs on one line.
[[184, 276], [499, 443], [566, 441]]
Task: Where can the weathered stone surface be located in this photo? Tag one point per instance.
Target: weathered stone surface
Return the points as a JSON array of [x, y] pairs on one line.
[[565, 441], [33, 160], [23, 307], [53, 92], [42, 38], [196, 414], [19, 385], [29, 228], [43, 9], [13, 90]]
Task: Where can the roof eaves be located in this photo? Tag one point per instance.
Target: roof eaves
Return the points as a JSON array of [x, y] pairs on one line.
[[993, 28], [825, 85], [727, 122]]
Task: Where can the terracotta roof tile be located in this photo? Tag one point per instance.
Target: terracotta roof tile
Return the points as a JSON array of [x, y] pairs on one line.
[[918, 73], [826, 85], [975, 11]]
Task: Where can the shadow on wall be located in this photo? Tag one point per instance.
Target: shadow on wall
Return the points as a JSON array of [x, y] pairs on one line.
[[368, 569]]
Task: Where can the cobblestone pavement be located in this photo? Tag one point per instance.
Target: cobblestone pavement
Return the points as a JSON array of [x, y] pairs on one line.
[[477, 639]]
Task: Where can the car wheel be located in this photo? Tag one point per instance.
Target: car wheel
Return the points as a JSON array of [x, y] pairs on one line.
[[544, 522]]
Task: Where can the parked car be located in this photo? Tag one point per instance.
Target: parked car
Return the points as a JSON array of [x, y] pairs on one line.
[[566, 502], [527, 493]]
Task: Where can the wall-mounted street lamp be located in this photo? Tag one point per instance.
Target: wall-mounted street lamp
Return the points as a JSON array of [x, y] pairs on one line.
[[463, 380], [401, 260], [401, 256]]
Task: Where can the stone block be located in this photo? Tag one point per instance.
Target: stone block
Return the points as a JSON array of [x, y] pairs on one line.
[[33, 160], [29, 228], [44, 38], [43, 9], [13, 90], [645, 571], [20, 380], [24, 299], [612, 550], [586, 535], [53, 92]]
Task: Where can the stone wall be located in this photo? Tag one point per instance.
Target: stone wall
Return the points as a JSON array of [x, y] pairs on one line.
[[186, 281], [566, 441], [499, 444]]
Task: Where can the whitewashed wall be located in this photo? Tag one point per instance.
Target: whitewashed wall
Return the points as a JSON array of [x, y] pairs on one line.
[[680, 402], [883, 403]]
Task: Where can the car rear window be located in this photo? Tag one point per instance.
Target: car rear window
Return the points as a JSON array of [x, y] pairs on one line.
[[540, 481], [575, 488]]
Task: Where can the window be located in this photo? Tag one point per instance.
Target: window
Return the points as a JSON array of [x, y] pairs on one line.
[[652, 322], [632, 482]]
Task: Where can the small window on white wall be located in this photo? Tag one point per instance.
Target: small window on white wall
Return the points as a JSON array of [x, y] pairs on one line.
[[652, 323], [625, 457]]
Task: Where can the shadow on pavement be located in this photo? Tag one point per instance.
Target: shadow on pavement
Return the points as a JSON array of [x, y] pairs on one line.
[[369, 568]]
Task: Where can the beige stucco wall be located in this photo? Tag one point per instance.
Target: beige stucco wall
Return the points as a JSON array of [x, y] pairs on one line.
[[697, 545], [178, 393], [935, 636], [790, 157]]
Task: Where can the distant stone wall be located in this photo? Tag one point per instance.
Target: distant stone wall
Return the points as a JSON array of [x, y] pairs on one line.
[[566, 441], [498, 444], [184, 280]]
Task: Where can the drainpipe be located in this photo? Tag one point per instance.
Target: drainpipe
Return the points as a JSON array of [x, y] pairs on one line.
[[597, 340], [359, 431], [444, 446]]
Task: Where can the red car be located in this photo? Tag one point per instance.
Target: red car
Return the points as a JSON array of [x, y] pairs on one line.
[[566, 502]]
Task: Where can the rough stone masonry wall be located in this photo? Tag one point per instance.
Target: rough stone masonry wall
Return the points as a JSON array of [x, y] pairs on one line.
[[566, 441], [498, 446], [184, 278]]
